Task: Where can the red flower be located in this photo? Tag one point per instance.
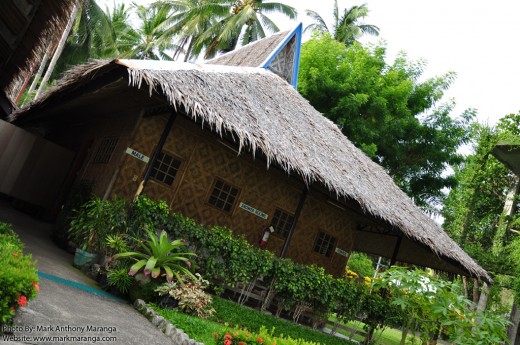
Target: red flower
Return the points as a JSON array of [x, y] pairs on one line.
[[228, 336], [248, 335], [22, 301], [15, 255], [260, 340], [188, 264], [227, 342], [36, 286], [13, 310], [215, 335], [241, 343]]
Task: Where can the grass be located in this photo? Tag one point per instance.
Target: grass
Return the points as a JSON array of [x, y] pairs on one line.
[[235, 315], [388, 336]]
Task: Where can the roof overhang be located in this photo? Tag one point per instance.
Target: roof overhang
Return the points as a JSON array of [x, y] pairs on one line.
[[509, 154]]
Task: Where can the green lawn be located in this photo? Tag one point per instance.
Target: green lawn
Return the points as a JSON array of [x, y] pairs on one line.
[[388, 336], [235, 315]]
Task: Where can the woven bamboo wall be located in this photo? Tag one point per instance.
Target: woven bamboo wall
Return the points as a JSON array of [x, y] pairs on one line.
[[205, 157]]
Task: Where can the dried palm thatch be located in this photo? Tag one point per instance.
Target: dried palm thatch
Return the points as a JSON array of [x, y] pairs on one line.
[[265, 113], [31, 26], [251, 55]]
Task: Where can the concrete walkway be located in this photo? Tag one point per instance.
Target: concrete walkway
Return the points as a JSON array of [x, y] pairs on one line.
[[70, 308]]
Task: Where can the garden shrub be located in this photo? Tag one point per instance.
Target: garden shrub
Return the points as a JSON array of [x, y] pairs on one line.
[[18, 275], [189, 292], [263, 337]]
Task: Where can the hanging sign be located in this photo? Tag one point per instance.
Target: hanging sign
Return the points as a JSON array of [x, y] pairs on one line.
[[253, 210], [341, 252], [137, 155]]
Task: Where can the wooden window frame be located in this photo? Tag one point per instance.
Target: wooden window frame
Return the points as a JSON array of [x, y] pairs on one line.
[[211, 192], [105, 150], [174, 158], [332, 249], [276, 233]]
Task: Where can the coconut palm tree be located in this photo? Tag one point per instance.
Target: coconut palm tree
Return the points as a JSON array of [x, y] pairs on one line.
[[246, 23], [192, 18], [153, 38], [346, 28]]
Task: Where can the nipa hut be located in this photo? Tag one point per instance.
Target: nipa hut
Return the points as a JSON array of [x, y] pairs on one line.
[[231, 142]]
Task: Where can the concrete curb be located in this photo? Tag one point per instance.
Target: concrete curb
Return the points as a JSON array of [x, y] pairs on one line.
[[176, 334]]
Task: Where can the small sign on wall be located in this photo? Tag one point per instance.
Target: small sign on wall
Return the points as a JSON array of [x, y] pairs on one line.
[[253, 210], [341, 252], [137, 155]]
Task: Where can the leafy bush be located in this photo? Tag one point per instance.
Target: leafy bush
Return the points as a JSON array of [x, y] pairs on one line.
[[18, 275], [189, 292], [263, 337], [96, 219], [147, 214], [119, 278], [361, 264]]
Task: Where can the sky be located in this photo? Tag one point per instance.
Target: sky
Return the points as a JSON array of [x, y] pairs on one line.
[[478, 40]]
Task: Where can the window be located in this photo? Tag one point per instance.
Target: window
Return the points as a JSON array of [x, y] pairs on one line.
[[282, 222], [105, 149], [223, 195], [325, 244], [165, 168]]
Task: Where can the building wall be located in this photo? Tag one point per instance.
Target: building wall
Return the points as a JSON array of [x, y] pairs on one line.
[[204, 157]]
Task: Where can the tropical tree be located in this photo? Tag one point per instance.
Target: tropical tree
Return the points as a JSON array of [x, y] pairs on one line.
[[246, 22], [191, 19], [387, 112], [346, 27], [153, 38]]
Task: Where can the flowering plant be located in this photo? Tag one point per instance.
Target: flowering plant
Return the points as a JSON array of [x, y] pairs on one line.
[[263, 337], [18, 278]]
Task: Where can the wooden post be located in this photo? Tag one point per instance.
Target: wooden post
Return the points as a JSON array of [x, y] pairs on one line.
[[295, 221], [156, 153]]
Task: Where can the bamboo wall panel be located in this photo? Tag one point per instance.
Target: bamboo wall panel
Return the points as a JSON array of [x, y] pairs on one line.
[[132, 170], [319, 216], [204, 157]]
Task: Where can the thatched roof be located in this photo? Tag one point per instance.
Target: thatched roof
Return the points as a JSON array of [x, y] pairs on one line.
[[252, 55], [265, 113], [25, 30], [508, 152]]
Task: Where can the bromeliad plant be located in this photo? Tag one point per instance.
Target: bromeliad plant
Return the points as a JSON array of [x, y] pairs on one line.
[[158, 256]]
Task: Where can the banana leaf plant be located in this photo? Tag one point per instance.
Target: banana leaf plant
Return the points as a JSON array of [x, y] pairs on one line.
[[158, 256]]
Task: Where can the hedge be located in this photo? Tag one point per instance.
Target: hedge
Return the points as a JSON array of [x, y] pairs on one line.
[[18, 275]]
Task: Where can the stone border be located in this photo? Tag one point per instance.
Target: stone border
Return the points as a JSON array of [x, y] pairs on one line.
[[176, 334]]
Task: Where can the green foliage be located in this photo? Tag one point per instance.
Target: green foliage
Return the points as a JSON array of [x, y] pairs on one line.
[[97, 218], [361, 264], [18, 275], [347, 27], [239, 336], [189, 292], [146, 214], [435, 305], [239, 316], [158, 256], [119, 278], [387, 112]]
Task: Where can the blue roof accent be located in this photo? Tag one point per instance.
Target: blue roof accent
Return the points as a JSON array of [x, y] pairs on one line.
[[297, 31]]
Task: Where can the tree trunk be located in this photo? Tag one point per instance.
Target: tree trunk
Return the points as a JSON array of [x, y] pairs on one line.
[[514, 317], [57, 53], [406, 329], [509, 208], [465, 286], [475, 294], [482, 301], [39, 73]]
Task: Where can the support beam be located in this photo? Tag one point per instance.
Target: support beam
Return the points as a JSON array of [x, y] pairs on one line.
[[396, 251], [295, 221], [158, 149]]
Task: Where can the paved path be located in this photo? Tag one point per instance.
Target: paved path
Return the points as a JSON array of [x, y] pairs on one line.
[[70, 307]]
